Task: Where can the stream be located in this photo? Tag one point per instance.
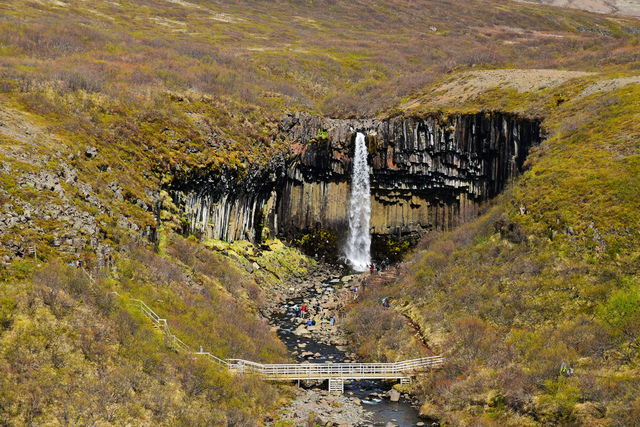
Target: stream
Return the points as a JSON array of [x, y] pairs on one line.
[[325, 345]]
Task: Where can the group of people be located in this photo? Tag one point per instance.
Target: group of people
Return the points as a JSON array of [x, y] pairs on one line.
[[302, 311], [77, 264], [379, 268]]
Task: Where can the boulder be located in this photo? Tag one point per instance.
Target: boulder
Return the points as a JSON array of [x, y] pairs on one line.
[[301, 330], [91, 152], [394, 395]]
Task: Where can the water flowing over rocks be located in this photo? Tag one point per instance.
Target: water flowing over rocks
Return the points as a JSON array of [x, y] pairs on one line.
[[363, 403], [428, 173], [358, 248]]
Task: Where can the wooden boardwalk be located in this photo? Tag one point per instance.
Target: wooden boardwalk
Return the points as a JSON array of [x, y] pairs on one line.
[[336, 373]]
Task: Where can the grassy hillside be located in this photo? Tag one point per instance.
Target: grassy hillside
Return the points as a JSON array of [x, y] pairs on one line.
[[73, 353], [103, 104], [549, 273]]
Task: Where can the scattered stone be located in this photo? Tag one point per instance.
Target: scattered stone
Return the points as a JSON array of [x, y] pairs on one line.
[[394, 395], [91, 152]]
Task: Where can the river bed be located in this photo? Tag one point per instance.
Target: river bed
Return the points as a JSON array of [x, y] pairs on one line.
[[324, 344]]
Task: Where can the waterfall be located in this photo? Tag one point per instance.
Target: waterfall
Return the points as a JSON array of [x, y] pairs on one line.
[[358, 249]]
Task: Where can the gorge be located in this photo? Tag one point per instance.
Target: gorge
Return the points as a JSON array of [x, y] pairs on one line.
[[428, 173]]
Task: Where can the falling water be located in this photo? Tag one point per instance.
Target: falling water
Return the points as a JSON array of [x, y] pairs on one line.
[[358, 249]]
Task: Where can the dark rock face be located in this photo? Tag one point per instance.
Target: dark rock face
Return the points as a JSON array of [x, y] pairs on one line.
[[426, 173]]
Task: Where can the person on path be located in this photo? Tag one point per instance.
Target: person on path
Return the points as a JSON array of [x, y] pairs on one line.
[[333, 318], [371, 269]]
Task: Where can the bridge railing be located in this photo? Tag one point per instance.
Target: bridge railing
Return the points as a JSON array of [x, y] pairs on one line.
[[176, 342], [288, 372], [337, 370]]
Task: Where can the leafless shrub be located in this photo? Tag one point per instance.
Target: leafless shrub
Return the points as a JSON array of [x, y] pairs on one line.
[[88, 81], [472, 341], [140, 77]]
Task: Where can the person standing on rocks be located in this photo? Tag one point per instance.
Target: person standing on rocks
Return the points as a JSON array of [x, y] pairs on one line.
[[333, 319]]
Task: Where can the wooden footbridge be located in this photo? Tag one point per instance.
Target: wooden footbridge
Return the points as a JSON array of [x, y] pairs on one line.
[[335, 373]]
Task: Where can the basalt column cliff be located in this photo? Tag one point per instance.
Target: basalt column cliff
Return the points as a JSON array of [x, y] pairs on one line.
[[426, 173]]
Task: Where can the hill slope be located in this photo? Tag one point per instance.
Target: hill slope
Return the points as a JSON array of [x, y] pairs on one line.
[[548, 275], [103, 104]]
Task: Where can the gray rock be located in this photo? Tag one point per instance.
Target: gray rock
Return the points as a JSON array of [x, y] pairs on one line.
[[91, 152], [394, 395]]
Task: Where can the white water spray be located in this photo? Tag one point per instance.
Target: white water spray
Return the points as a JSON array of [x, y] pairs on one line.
[[358, 249]]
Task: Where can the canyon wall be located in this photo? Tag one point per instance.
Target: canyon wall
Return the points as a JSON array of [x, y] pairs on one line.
[[428, 173]]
